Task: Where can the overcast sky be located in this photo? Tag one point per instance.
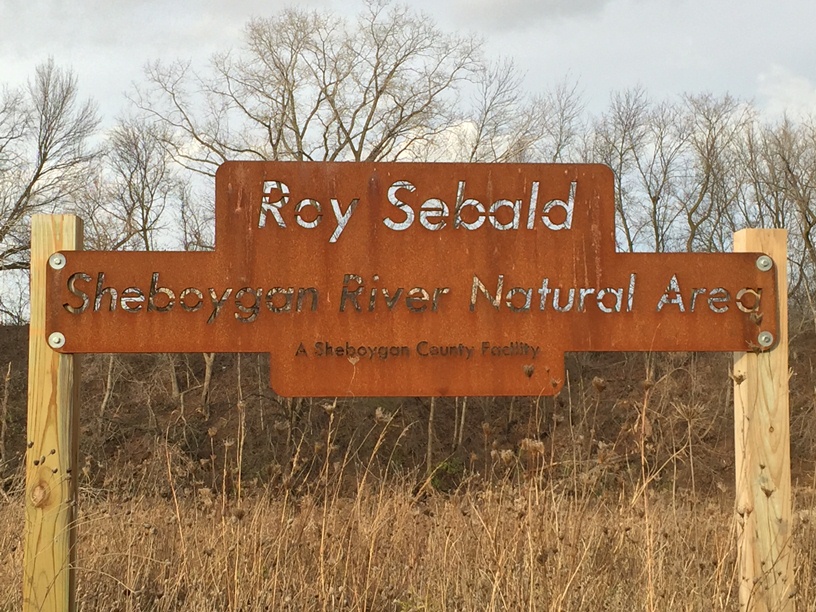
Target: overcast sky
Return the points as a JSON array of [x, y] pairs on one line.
[[763, 51]]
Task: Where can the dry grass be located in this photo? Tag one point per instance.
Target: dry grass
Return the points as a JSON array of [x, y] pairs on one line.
[[504, 547], [613, 496]]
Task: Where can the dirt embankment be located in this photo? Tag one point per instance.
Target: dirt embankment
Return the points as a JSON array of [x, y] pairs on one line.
[[136, 406]]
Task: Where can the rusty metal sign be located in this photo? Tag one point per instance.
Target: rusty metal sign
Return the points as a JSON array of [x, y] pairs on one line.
[[383, 279]]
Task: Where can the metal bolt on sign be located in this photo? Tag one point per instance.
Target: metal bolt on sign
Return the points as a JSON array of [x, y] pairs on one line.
[[56, 340], [57, 261], [764, 263], [765, 339]]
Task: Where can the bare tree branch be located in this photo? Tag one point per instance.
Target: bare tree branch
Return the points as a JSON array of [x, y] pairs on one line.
[[44, 154]]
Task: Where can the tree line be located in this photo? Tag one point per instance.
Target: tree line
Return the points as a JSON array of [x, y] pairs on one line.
[[386, 85]]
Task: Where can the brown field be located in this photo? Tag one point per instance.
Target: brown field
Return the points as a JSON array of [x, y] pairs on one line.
[[616, 495], [506, 547]]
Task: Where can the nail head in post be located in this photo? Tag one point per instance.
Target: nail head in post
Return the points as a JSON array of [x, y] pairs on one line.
[[56, 340], [764, 263], [57, 261], [765, 339]]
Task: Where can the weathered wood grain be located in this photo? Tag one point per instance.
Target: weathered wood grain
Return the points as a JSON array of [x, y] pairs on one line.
[[762, 447], [52, 438]]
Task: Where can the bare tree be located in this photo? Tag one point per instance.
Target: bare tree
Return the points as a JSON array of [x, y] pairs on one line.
[[126, 201], [505, 124], [781, 164], [765, 202], [714, 173], [14, 306], [314, 86], [502, 125], [92, 203], [134, 191], [616, 140], [658, 166], [144, 180], [144, 184], [792, 147], [197, 223], [561, 109], [44, 131], [310, 86]]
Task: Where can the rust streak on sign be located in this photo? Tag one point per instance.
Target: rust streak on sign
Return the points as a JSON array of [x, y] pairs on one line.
[[378, 279]]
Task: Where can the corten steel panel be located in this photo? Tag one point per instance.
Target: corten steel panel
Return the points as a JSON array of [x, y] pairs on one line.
[[376, 306]]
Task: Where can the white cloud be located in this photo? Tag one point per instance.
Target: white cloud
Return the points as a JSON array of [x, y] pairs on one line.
[[668, 46], [781, 91], [521, 14]]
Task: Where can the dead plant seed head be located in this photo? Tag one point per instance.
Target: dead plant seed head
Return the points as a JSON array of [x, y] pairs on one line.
[[507, 456], [380, 416], [532, 447]]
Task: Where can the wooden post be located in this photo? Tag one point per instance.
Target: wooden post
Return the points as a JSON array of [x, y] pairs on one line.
[[762, 447], [52, 438]]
